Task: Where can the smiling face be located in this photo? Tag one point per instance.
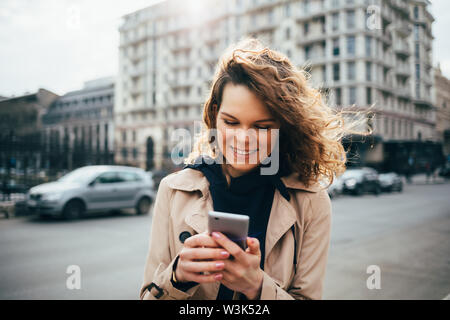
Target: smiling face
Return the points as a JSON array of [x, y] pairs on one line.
[[244, 127]]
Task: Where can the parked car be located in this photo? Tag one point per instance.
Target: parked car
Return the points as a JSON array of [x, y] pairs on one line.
[[157, 176], [92, 189], [336, 187], [390, 182], [444, 170], [361, 180]]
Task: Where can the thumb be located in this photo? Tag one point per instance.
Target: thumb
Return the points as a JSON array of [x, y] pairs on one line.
[[253, 246]]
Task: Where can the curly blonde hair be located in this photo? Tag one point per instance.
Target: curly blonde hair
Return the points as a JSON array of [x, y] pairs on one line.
[[310, 132]]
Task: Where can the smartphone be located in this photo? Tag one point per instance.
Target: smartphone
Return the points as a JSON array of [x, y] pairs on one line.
[[234, 226]]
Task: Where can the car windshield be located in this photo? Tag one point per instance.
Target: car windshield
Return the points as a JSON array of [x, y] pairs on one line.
[[82, 175]]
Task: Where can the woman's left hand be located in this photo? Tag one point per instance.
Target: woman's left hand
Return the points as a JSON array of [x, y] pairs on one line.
[[243, 273]]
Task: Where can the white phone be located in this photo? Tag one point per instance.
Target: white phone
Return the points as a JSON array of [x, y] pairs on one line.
[[234, 226]]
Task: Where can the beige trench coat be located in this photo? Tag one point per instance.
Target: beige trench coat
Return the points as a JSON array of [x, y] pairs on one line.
[[182, 204]]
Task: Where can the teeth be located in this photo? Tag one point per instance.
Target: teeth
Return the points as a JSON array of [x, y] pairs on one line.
[[243, 152]]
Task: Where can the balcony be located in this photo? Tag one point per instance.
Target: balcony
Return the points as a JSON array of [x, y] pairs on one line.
[[136, 72], [401, 48], [180, 83], [403, 29], [403, 92], [262, 27], [402, 70]]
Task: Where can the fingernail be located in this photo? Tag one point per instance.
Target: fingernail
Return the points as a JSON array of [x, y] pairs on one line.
[[216, 235], [218, 276], [219, 265], [224, 254]]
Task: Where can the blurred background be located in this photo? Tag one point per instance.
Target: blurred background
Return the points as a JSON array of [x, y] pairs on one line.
[[91, 92]]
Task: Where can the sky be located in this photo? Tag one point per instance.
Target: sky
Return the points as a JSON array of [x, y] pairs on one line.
[[60, 44]]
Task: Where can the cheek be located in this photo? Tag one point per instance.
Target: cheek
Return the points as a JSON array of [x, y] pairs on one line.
[[221, 136]]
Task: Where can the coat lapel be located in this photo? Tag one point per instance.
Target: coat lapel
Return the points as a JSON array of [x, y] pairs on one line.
[[282, 217]]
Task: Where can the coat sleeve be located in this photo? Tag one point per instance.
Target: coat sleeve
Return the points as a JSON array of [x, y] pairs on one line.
[[159, 263], [313, 256]]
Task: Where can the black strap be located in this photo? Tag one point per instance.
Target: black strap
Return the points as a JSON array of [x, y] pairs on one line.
[[160, 291], [295, 246]]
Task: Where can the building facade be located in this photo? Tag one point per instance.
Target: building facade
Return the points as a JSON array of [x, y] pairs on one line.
[[21, 133], [443, 110], [79, 127], [373, 54]]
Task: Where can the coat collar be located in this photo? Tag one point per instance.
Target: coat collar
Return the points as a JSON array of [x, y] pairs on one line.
[[190, 180]]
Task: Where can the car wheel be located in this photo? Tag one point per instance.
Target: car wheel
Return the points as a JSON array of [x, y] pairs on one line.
[[377, 191], [74, 209], [143, 205]]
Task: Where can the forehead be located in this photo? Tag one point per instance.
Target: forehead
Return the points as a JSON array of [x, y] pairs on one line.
[[238, 100]]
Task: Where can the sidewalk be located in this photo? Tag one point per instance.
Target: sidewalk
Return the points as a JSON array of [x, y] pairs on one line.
[[421, 179]]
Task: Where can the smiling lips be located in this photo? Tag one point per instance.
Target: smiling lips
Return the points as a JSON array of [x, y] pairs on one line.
[[241, 152]]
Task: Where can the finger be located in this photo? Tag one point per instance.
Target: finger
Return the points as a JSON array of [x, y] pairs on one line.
[[253, 246], [229, 245], [202, 266], [201, 240], [203, 254], [203, 278]]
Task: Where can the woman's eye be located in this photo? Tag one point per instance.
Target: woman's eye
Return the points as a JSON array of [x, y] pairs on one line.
[[229, 123], [267, 128]]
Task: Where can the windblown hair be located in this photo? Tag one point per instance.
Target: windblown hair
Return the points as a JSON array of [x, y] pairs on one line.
[[310, 133]]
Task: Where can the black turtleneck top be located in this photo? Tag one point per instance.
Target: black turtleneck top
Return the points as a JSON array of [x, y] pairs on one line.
[[249, 194]]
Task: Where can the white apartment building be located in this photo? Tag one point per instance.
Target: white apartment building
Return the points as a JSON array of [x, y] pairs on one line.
[[360, 52]]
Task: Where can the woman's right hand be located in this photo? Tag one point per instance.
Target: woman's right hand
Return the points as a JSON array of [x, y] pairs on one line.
[[201, 254]]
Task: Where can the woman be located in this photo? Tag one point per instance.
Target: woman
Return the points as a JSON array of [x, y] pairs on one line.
[[260, 107]]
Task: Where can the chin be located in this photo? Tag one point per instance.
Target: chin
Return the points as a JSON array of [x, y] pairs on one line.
[[242, 168]]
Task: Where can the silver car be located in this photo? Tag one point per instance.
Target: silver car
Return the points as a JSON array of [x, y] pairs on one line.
[[93, 189]]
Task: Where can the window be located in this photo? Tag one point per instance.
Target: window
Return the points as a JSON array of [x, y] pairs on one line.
[[368, 46], [107, 177], [352, 95], [288, 33], [287, 10], [416, 12], [335, 21], [369, 95], [307, 52], [336, 72], [416, 32], [129, 176], [351, 45], [336, 47], [351, 70], [338, 96], [368, 71], [306, 29], [306, 6], [350, 19]]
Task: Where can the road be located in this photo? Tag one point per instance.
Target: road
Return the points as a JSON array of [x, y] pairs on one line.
[[406, 235]]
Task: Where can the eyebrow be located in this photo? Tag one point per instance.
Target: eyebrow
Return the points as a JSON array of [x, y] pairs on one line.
[[263, 120]]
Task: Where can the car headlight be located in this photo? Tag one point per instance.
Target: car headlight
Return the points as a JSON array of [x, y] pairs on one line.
[[350, 182], [52, 196]]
